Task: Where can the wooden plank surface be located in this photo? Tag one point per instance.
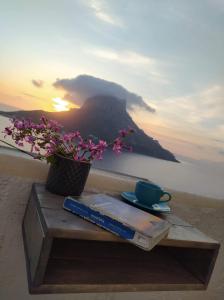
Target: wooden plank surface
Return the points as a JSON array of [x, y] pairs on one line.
[[33, 238], [61, 223], [112, 288]]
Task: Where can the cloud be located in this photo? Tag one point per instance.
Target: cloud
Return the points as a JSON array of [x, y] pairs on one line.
[[148, 65], [100, 10], [84, 86], [123, 57], [29, 95], [200, 113], [38, 83]]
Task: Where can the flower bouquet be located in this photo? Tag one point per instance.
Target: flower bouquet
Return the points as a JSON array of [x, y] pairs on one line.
[[69, 154]]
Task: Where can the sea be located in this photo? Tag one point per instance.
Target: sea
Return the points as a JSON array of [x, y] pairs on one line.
[[198, 177]]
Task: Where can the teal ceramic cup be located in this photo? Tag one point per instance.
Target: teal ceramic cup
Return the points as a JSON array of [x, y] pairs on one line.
[[148, 193]]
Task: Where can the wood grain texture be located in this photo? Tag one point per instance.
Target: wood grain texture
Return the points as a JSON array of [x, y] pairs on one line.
[[111, 288], [34, 235], [61, 223]]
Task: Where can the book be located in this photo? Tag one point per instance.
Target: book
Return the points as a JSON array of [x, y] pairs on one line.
[[130, 223]]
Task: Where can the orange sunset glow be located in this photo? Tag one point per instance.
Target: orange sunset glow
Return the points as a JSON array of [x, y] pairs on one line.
[[60, 105]]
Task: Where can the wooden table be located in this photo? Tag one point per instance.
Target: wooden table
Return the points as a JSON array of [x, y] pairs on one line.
[[66, 254]]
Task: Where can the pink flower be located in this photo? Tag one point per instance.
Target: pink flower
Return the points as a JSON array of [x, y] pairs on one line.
[[98, 156], [83, 145], [19, 143], [76, 134], [7, 131], [75, 156], [39, 126], [123, 133], [46, 135], [43, 119], [19, 124], [36, 148], [49, 147], [29, 139], [67, 137], [102, 144], [54, 125], [117, 146]]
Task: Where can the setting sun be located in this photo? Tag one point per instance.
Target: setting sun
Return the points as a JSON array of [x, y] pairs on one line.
[[60, 105]]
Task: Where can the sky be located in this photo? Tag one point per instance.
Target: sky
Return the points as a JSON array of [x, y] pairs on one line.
[[169, 53]]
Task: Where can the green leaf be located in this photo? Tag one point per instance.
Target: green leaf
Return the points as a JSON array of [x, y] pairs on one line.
[[50, 159]]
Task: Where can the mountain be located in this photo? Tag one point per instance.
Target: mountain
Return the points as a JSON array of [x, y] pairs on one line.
[[102, 116], [6, 107]]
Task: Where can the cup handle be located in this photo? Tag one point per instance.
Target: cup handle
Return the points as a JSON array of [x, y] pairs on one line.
[[166, 193]]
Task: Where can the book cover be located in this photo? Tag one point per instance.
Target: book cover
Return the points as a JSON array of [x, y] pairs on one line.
[[132, 224]]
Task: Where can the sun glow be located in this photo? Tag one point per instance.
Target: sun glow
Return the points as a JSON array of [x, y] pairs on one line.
[[60, 105]]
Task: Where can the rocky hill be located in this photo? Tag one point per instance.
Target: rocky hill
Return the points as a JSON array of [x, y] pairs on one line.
[[102, 116]]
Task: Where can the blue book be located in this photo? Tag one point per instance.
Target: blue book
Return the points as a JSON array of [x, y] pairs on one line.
[[130, 223]]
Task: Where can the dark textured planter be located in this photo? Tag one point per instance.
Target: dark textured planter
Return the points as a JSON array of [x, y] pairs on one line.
[[67, 177]]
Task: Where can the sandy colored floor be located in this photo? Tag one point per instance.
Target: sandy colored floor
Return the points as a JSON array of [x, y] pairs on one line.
[[16, 177]]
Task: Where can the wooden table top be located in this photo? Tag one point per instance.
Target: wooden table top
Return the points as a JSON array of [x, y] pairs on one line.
[[62, 224]]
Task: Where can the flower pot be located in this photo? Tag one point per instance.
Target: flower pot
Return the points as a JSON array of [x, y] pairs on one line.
[[67, 176]]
